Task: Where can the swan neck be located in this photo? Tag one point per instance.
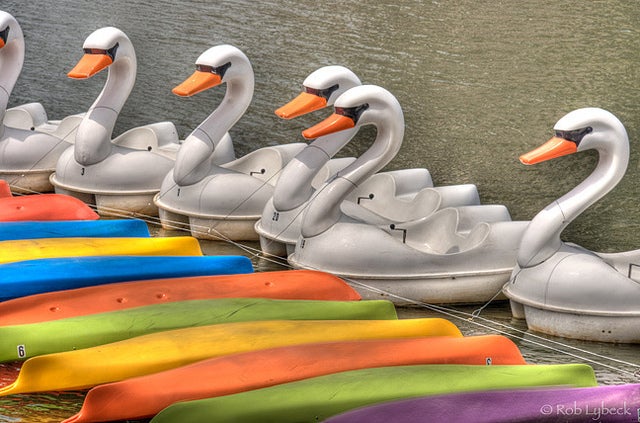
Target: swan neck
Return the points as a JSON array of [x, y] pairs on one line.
[[93, 139], [236, 100], [542, 237], [324, 211], [294, 187], [194, 159], [11, 61]]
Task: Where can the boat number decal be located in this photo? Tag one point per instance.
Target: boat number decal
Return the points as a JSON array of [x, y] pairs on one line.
[[488, 360], [82, 171], [302, 243], [22, 352], [276, 216]]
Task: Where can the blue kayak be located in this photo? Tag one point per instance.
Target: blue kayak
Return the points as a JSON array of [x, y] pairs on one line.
[[22, 278], [10, 231]]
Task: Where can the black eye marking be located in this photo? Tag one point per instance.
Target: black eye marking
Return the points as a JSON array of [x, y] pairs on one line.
[[324, 93], [574, 136], [218, 70], [110, 52], [4, 34], [352, 112]]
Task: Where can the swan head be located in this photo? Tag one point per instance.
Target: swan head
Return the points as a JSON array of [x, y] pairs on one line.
[[581, 130], [359, 106], [320, 89], [223, 63], [9, 29], [102, 48]]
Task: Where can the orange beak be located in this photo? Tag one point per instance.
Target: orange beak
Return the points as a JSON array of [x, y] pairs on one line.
[[555, 147], [196, 83], [304, 103], [89, 65], [332, 124], [2, 44]]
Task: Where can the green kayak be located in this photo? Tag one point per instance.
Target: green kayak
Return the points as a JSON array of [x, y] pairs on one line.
[[20, 342], [315, 399]]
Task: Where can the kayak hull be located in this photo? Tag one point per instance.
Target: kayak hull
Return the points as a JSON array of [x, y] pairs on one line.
[[146, 396], [613, 403], [285, 284], [170, 349], [73, 228], [31, 277], [319, 398], [31, 249], [44, 207], [20, 342]]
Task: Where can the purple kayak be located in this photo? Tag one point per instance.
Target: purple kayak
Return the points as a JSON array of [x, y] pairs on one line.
[[614, 403]]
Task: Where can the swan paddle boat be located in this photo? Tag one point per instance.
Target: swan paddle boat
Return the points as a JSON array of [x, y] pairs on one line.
[[563, 289], [42, 207], [145, 396], [317, 398], [220, 202], [614, 403], [286, 284], [385, 197], [23, 341], [437, 259], [30, 277], [169, 349], [120, 175], [30, 144], [31, 249], [10, 231]]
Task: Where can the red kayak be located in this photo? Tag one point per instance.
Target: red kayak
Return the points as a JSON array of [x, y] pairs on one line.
[[41, 207], [286, 284]]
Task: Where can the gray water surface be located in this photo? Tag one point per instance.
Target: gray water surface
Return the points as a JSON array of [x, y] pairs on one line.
[[480, 83]]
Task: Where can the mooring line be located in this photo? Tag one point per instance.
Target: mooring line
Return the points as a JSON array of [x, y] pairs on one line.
[[472, 318]]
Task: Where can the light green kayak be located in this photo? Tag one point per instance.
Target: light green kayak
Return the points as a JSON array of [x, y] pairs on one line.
[[20, 342], [315, 399]]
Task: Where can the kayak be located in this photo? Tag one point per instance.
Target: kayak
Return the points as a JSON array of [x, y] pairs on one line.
[[73, 228], [20, 342], [165, 350], [614, 403], [30, 249], [30, 277], [318, 398], [42, 207], [284, 284], [145, 396]]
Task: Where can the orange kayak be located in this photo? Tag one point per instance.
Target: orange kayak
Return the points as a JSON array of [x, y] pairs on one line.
[[41, 207], [145, 396], [287, 284]]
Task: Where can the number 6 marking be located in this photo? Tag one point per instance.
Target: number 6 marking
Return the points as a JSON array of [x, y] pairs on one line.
[[22, 353]]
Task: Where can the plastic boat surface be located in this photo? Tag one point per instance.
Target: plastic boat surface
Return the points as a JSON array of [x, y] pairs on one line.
[[165, 350], [32, 277], [318, 398], [29, 249], [286, 284], [615, 403], [20, 342], [146, 396], [10, 231]]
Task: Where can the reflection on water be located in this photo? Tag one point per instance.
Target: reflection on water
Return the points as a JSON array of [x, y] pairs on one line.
[[480, 83]]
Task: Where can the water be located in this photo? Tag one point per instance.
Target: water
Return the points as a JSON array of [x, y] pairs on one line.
[[480, 83]]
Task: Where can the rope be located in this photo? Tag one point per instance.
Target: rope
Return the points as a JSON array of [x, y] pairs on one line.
[[472, 318]]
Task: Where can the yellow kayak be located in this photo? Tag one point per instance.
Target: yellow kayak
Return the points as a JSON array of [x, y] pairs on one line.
[[170, 349], [29, 249]]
